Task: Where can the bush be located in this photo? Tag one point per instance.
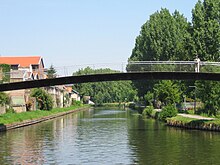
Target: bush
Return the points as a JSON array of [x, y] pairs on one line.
[[167, 112], [148, 111], [45, 101], [10, 110], [4, 98], [76, 103]]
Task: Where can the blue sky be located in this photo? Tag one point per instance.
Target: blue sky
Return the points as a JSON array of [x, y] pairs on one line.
[[73, 32]]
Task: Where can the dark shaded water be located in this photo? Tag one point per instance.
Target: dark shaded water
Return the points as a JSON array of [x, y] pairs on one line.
[[104, 136]]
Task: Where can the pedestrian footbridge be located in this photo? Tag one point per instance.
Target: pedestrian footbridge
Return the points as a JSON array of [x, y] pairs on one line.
[[138, 70]]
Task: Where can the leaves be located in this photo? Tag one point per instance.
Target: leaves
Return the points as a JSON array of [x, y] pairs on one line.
[[4, 98], [51, 72], [167, 92], [45, 101], [105, 92]]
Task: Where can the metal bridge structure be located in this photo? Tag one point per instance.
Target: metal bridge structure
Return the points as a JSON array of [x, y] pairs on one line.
[[134, 70]]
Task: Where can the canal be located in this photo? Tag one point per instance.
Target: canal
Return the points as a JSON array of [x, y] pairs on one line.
[[107, 136]]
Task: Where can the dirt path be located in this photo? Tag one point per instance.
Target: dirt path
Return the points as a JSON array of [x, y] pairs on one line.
[[196, 116]]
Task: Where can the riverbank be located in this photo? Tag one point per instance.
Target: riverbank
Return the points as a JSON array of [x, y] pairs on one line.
[[16, 120], [194, 123], [188, 121]]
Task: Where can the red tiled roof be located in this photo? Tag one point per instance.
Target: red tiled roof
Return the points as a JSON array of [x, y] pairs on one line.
[[22, 61]]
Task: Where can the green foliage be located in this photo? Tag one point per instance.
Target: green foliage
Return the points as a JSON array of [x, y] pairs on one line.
[[4, 98], [168, 112], [206, 29], [209, 92], [163, 37], [4, 71], [148, 111], [167, 92], [45, 101], [168, 36], [206, 34], [76, 103], [149, 97], [51, 72], [10, 110], [105, 92]]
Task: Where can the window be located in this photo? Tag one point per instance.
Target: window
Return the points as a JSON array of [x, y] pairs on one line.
[[14, 67]]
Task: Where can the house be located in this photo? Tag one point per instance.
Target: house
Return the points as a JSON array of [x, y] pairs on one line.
[[23, 68], [74, 95]]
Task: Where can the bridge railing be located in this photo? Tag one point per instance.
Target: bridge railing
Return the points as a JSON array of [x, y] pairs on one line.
[[173, 66], [131, 66], [161, 66]]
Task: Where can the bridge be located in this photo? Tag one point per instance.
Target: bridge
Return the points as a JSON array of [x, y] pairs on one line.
[[138, 70]]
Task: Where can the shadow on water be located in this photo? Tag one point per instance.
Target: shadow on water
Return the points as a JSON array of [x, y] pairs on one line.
[[2, 127]]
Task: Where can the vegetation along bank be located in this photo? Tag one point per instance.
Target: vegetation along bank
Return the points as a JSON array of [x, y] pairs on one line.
[[170, 115], [15, 120]]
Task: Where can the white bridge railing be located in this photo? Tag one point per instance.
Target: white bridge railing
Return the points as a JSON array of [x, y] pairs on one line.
[[131, 66], [174, 66]]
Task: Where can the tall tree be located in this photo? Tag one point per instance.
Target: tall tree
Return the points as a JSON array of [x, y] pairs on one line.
[[163, 37], [206, 33], [51, 72], [206, 29]]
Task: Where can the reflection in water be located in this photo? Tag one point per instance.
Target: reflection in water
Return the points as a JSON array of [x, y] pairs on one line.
[[107, 137]]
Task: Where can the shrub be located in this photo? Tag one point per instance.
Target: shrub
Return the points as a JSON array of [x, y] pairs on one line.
[[76, 103], [4, 98], [148, 111], [167, 112], [45, 101], [10, 110]]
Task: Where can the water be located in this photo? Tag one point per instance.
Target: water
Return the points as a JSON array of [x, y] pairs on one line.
[[105, 136]]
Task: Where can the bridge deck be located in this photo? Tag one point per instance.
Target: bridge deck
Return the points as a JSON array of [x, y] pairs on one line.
[[111, 77]]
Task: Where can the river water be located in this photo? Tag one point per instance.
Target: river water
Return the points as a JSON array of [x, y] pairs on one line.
[[107, 136]]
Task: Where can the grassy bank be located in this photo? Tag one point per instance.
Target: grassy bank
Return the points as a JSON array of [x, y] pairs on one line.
[[184, 122], [10, 118], [190, 123]]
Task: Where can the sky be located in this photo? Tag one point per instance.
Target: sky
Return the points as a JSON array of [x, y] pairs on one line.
[[77, 32]]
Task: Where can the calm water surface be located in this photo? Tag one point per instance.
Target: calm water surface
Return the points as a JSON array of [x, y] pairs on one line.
[[107, 136]]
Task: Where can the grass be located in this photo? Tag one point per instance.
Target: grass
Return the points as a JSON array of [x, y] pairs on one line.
[[187, 120], [182, 119], [10, 118]]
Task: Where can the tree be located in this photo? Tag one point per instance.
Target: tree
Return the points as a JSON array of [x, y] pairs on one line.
[[167, 92], [45, 101], [4, 73], [105, 92], [51, 72], [206, 34], [163, 37], [149, 98], [206, 29], [209, 92]]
